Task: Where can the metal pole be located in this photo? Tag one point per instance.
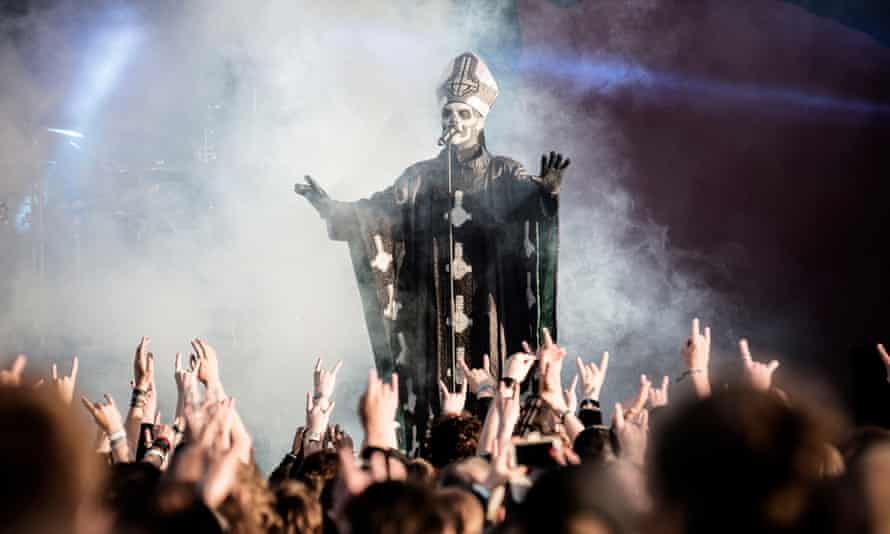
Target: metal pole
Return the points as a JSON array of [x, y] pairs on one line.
[[453, 369]]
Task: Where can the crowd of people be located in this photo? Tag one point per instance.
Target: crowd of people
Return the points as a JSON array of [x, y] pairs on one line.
[[516, 453]]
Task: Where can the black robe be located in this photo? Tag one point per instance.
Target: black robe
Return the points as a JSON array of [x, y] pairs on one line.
[[505, 235]]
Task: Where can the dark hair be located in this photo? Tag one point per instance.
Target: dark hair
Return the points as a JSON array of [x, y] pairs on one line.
[[394, 507], [318, 468], [299, 509], [454, 438], [45, 462], [595, 444], [737, 461]]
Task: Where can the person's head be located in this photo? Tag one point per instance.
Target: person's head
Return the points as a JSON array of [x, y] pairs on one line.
[[595, 444], [394, 506], [466, 95], [575, 499], [250, 507], [465, 121], [737, 461], [51, 478], [421, 471], [299, 509], [318, 468], [463, 510], [453, 438]]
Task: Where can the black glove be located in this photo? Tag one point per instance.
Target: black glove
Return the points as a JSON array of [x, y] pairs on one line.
[[551, 171], [316, 196]]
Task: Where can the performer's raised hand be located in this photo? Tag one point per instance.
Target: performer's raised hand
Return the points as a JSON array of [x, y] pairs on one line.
[[552, 167], [314, 193]]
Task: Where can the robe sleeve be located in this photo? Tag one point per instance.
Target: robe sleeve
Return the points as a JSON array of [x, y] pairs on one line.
[[373, 229]]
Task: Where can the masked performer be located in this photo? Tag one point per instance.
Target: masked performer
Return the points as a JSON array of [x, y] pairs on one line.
[[458, 258]]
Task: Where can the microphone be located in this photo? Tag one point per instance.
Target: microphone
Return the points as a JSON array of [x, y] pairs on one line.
[[447, 135]]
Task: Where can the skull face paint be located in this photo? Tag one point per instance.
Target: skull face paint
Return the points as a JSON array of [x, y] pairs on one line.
[[467, 121]]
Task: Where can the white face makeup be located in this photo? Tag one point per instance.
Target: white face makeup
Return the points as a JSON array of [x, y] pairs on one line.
[[465, 120]]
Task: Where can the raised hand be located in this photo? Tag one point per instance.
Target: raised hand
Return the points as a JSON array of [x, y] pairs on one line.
[[571, 395], [658, 396], [208, 368], [696, 355], [323, 382], [107, 416], [186, 384], [507, 405], [379, 405], [697, 349], [759, 375], [452, 403], [551, 357], [592, 376], [552, 168], [885, 358], [143, 366], [13, 375], [317, 417], [636, 404], [481, 381], [632, 433], [314, 193], [64, 385], [519, 364]]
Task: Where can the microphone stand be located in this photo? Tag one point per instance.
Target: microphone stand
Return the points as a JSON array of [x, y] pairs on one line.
[[446, 140]]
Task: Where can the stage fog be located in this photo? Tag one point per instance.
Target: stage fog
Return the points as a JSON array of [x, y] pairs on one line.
[[149, 156]]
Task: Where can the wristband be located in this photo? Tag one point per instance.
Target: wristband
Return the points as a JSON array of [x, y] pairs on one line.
[[138, 398], [156, 452], [314, 436], [690, 372], [117, 436], [161, 443], [590, 404], [483, 388]]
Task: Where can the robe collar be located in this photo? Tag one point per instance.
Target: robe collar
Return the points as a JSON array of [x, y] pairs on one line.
[[476, 161]]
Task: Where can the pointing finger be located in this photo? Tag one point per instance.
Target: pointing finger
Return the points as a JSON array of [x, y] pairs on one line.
[[884, 356], [604, 362], [548, 341], [74, 367], [695, 327], [177, 365], [746, 352], [618, 416], [18, 365], [773, 365], [337, 367], [55, 372], [318, 365], [486, 363]]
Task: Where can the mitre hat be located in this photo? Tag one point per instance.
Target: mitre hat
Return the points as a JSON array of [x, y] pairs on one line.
[[468, 80]]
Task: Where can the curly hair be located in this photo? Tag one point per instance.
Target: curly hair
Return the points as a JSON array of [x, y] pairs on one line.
[[299, 509], [453, 438]]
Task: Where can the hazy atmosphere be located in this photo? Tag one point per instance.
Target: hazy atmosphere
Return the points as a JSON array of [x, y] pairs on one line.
[[168, 208]]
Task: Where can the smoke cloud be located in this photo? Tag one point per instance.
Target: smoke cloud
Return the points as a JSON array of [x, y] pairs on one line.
[[174, 216]]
